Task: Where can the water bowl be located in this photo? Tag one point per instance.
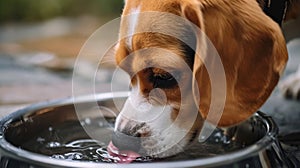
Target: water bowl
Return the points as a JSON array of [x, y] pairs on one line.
[[53, 134]]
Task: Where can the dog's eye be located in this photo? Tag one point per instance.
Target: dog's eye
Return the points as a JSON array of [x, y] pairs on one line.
[[165, 80], [165, 76]]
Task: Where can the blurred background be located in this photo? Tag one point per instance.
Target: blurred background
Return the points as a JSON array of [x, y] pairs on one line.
[[39, 42]]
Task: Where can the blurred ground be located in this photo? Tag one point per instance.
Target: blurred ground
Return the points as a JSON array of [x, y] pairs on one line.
[[37, 59]]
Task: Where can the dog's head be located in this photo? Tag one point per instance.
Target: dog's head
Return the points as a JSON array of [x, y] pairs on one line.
[[161, 115]]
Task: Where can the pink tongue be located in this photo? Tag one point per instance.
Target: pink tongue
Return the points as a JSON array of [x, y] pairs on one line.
[[125, 156]]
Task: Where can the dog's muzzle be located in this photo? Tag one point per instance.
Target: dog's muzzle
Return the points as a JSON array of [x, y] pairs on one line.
[[135, 123]]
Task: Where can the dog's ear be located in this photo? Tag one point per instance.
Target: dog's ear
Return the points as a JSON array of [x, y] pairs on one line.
[[121, 52], [253, 57], [192, 12]]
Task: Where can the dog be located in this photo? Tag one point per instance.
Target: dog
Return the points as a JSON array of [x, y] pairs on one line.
[[170, 80]]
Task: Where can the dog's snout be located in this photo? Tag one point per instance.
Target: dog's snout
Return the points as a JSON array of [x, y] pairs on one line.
[[124, 141]]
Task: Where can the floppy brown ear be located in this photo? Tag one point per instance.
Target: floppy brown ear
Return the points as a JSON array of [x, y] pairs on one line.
[[120, 52], [191, 10], [253, 53]]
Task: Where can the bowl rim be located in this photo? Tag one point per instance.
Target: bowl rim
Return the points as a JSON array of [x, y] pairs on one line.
[[11, 151]]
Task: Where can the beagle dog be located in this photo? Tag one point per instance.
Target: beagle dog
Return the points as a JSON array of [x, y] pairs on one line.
[[171, 89]]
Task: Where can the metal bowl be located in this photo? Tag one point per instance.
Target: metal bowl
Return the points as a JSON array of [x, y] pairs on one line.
[[258, 135]]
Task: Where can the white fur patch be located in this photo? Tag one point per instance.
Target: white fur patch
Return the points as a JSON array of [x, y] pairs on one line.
[[133, 19], [166, 137], [138, 109]]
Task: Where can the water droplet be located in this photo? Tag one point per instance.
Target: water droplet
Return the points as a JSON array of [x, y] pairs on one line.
[[77, 156], [53, 144], [58, 156], [40, 139], [88, 121]]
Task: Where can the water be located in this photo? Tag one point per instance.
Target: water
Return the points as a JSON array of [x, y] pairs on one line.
[[69, 141]]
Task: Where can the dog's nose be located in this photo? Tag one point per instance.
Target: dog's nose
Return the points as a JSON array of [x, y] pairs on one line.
[[126, 142]]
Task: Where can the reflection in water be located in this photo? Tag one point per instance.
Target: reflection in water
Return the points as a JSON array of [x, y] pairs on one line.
[[69, 141]]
